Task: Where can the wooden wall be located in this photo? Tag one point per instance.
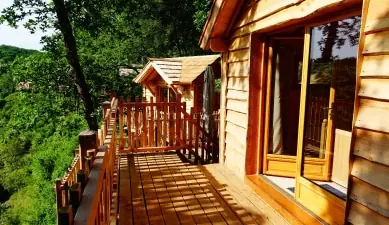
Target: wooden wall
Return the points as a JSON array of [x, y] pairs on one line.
[[368, 201], [147, 93], [236, 100], [257, 16]]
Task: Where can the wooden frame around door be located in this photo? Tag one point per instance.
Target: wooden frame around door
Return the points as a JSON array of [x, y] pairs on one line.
[[285, 165], [323, 203]]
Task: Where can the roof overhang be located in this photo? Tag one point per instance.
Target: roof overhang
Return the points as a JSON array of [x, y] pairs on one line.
[[219, 23], [147, 70]]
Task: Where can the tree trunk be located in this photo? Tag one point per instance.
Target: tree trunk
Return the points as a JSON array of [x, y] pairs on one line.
[[330, 41], [72, 57]]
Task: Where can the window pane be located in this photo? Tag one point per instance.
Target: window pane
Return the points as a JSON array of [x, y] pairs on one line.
[[330, 101]]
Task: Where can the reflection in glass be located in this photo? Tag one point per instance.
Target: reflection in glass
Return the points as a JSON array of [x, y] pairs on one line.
[[330, 99]]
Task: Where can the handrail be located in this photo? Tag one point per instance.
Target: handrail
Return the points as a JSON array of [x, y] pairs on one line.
[[92, 177]]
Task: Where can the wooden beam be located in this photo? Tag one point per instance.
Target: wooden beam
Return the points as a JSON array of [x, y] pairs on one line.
[[256, 115], [219, 45]]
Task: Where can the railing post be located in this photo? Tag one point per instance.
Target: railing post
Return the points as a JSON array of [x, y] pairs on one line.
[[106, 105], [58, 194], [129, 130], [75, 196], [121, 131], [65, 215], [184, 132], [190, 133], [323, 139], [88, 141], [178, 118]]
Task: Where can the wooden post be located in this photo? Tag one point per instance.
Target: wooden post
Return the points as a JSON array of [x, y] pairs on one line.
[[158, 130], [105, 105], [184, 133], [136, 121], [171, 128], [58, 193], [151, 124], [178, 118], [75, 196], [121, 123], [197, 137], [144, 126], [81, 179], [88, 141], [165, 129], [190, 133], [65, 215], [323, 139], [129, 129]]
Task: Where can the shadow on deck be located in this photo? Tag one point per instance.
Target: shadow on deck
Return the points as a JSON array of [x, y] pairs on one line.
[[161, 189]]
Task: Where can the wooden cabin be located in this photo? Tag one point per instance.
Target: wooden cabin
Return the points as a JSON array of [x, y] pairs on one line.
[[305, 104], [163, 78]]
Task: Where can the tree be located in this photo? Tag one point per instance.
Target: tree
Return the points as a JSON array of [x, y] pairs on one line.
[[42, 13], [72, 57]]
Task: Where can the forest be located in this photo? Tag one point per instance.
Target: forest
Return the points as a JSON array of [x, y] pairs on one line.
[[41, 112]]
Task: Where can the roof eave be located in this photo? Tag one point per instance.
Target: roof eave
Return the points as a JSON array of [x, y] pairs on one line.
[[142, 74], [223, 13]]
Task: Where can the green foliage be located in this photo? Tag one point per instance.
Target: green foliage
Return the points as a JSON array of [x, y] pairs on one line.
[[39, 126], [9, 53]]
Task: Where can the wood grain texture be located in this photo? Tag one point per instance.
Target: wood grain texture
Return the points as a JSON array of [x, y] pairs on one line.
[[238, 83], [377, 16], [372, 173], [376, 43], [238, 132], [238, 69], [239, 55], [223, 106], [374, 88], [372, 115], [237, 118], [237, 95], [240, 43], [262, 9], [361, 215], [257, 101], [370, 196], [372, 146], [237, 106], [234, 143], [293, 14], [375, 66]]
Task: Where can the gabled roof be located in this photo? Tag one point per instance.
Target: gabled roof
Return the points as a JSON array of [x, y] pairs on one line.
[[222, 15], [176, 70]]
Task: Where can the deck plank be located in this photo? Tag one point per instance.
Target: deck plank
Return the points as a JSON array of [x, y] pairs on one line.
[[161, 189]]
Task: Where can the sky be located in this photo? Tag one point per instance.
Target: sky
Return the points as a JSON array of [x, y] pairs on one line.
[[20, 37]]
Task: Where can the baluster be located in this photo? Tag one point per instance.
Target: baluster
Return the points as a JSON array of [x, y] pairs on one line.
[[184, 133], [190, 134], [197, 137]]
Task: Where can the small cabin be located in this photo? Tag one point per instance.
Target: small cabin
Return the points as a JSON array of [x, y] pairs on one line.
[[164, 78], [304, 104]]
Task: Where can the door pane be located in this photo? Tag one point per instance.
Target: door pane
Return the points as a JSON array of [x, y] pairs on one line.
[[330, 101], [285, 96]]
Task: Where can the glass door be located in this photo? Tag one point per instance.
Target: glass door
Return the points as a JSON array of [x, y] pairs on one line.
[[283, 100], [326, 115]]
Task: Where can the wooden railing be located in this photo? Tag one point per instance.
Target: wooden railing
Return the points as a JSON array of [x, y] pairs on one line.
[[85, 195], [158, 127], [315, 133], [88, 192]]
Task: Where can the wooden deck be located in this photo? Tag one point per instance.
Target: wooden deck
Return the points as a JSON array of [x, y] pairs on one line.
[[161, 189]]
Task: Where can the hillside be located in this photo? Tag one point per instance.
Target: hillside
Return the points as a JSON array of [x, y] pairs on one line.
[[9, 53]]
